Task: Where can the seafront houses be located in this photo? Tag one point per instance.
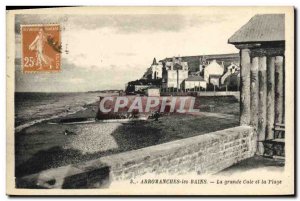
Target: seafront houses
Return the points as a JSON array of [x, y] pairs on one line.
[[199, 62], [194, 82], [189, 72], [174, 73]]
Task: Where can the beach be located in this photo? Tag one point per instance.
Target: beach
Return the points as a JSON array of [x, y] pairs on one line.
[[44, 145]]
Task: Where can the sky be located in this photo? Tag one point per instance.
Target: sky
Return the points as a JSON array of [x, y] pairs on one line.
[[107, 51]]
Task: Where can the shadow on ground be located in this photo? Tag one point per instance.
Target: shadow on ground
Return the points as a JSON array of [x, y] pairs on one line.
[[128, 136], [255, 162]]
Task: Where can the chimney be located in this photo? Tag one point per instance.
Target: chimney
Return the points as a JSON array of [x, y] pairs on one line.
[[173, 59]]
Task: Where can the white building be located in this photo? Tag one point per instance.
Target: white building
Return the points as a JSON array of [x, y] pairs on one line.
[[176, 72], [154, 71], [213, 69], [175, 78], [153, 92], [194, 82], [215, 80], [170, 65]]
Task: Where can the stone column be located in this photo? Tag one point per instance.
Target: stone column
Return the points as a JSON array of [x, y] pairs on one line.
[[262, 103], [270, 97], [254, 92], [245, 87], [279, 89]]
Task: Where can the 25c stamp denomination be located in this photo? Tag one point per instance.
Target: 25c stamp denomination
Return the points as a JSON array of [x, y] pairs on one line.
[[41, 48]]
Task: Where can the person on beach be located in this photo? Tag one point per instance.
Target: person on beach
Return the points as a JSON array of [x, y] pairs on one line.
[[67, 132]]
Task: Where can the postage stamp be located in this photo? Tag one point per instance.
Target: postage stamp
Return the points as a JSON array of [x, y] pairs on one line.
[[41, 48]]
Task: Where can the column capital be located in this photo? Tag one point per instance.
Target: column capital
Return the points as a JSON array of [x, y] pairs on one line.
[[247, 45]]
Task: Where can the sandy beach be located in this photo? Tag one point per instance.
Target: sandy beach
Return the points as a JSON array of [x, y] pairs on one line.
[[43, 145]]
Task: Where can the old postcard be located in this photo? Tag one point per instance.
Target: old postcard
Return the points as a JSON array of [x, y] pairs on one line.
[[150, 101]]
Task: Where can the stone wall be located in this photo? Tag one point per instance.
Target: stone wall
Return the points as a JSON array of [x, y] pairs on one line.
[[203, 154], [219, 93], [236, 94]]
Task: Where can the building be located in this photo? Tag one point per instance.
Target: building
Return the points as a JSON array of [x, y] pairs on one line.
[[214, 79], [171, 72], [153, 92], [262, 48], [171, 65], [140, 88], [193, 82], [154, 71], [231, 69], [174, 73], [214, 69], [198, 62]]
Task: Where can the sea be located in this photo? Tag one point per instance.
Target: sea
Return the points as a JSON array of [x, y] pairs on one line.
[[32, 108], [36, 107]]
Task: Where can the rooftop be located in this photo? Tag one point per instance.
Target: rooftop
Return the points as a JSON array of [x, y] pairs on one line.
[[215, 76], [194, 61], [195, 78], [261, 28]]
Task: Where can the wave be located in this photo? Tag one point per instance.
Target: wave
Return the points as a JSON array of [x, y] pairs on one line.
[[36, 121], [33, 108]]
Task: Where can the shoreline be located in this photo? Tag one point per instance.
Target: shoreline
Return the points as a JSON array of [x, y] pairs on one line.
[[57, 117]]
